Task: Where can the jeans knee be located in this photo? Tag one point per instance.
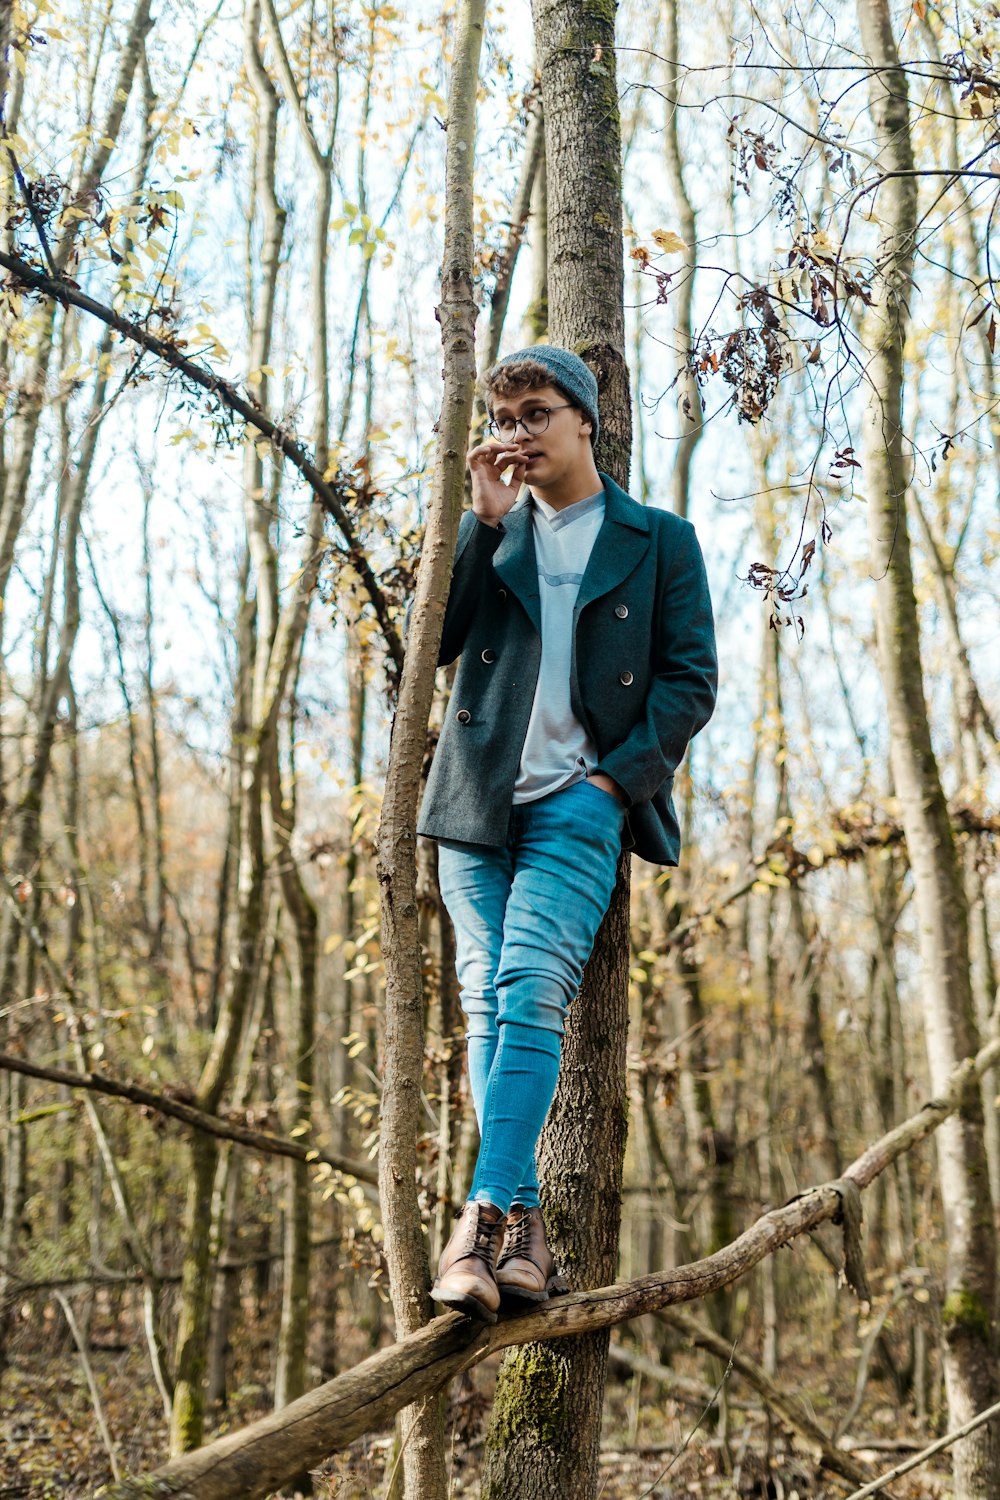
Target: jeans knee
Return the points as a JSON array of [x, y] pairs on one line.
[[541, 1028], [480, 1015], [534, 999]]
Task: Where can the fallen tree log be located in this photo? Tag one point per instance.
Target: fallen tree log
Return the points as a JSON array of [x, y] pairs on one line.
[[249, 1464]]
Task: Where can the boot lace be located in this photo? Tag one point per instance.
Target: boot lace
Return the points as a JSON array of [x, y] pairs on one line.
[[518, 1239], [480, 1235]]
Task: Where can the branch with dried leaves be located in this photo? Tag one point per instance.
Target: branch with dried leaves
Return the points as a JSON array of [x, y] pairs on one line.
[[853, 839], [247, 1465], [60, 289]]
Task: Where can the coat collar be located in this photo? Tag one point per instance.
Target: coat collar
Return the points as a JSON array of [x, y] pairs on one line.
[[618, 548]]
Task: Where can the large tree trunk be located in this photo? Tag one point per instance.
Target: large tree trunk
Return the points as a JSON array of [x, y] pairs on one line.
[[405, 1246], [949, 1019], [544, 1435]]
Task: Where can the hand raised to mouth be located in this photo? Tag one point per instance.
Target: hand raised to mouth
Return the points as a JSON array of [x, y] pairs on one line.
[[491, 497]]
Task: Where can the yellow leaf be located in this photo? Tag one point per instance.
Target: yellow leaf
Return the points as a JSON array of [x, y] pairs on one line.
[[668, 242]]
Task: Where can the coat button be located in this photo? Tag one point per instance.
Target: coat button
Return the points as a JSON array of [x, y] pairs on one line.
[[621, 610], [626, 679], [501, 593], [489, 656], [463, 716]]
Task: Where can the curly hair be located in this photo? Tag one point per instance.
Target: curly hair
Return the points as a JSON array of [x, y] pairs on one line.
[[514, 379]]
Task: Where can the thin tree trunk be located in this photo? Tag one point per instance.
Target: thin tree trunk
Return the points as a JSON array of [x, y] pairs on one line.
[[974, 731], [50, 686], [85, 186], [277, 644], [689, 424], [290, 1380], [226, 1192], [536, 316], [405, 1247], [14, 1183], [521, 212], [187, 1424], [949, 1020]]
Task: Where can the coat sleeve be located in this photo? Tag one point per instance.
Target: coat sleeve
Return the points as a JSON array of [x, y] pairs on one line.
[[681, 695], [474, 551]]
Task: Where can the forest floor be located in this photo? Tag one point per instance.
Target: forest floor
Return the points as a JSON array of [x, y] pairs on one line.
[[652, 1446]]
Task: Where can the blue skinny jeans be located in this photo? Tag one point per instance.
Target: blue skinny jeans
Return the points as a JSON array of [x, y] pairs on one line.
[[525, 918]]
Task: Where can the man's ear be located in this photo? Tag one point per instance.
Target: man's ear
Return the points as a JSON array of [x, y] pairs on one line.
[[587, 427]]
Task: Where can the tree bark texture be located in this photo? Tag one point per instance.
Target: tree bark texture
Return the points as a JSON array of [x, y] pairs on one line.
[[405, 1246], [968, 1314], [544, 1433]]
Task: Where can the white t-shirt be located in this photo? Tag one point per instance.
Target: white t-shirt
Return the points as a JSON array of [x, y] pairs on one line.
[[557, 749]]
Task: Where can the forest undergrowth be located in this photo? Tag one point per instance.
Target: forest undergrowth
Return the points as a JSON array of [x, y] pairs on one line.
[[654, 1444]]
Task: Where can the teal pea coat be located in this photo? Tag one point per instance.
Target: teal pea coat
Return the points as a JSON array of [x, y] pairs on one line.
[[643, 678]]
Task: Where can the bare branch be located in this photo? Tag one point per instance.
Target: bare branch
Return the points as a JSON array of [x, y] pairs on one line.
[[175, 1107], [926, 1453], [62, 290]]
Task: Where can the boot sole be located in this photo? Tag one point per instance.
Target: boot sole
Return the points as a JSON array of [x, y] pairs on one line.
[[470, 1306], [555, 1287]]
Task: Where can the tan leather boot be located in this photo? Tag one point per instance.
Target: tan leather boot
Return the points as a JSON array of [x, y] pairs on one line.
[[526, 1270], [466, 1278]]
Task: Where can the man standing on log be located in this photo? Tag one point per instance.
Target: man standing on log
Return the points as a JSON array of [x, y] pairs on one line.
[[584, 625]]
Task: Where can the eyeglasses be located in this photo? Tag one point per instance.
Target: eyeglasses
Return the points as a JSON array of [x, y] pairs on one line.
[[534, 422]]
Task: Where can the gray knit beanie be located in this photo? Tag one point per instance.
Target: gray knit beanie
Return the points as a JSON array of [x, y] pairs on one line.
[[568, 372]]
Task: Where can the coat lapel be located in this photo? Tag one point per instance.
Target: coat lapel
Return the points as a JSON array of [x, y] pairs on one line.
[[621, 543], [514, 560]]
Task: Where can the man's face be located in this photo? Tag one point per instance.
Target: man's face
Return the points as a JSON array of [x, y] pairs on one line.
[[562, 441]]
